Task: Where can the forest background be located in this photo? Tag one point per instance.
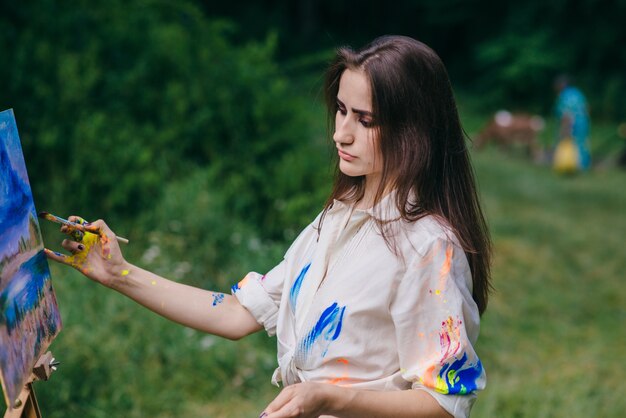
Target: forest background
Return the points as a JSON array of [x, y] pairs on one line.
[[197, 130]]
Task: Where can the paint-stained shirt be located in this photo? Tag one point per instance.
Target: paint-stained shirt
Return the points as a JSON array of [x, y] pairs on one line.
[[346, 310]]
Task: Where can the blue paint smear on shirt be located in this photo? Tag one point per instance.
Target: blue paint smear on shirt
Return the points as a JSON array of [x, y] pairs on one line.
[[461, 380], [295, 289], [327, 329]]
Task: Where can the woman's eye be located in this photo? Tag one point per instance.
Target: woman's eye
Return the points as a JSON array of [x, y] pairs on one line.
[[341, 108], [366, 123]]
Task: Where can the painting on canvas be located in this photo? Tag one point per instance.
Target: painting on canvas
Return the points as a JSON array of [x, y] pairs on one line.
[[29, 316]]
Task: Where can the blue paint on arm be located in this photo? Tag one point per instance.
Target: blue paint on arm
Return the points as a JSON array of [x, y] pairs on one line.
[[217, 298], [295, 288]]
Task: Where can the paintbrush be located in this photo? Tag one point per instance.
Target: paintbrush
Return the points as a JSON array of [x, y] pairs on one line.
[[74, 225]]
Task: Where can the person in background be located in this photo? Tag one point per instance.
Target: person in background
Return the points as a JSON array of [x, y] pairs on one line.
[[376, 305], [572, 114]]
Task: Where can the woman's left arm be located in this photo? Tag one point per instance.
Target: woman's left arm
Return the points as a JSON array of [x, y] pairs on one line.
[[319, 399]]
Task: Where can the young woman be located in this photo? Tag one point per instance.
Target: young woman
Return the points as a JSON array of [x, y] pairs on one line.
[[376, 305]]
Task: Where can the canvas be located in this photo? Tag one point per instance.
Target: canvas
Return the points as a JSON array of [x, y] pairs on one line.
[[29, 315]]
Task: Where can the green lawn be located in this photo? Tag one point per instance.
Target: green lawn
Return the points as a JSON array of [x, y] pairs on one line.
[[553, 339]]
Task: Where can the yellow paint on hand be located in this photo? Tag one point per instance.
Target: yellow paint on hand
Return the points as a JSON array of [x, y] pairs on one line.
[[153, 282], [79, 259], [125, 272]]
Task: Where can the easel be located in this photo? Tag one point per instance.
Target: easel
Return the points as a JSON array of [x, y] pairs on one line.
[[26, 404]]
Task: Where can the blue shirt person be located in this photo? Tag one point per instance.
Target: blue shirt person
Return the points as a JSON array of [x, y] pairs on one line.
[[572, 113]]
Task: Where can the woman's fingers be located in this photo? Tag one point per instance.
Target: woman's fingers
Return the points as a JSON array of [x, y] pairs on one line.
[[58, 257], [290, 409], [77, 233], [283, 398], [303, 400], [72, 246], [100, 227], [77, 219]]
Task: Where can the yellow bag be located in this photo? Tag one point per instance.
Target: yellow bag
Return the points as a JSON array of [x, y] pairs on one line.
[[565, 157]]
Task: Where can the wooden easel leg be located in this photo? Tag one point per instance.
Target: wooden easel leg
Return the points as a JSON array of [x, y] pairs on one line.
[[31, 409], [26, 405]]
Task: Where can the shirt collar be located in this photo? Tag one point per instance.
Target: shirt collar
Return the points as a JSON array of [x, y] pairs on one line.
[[386, 210]]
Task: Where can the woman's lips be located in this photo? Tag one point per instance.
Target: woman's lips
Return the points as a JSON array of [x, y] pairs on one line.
[[345, 156]]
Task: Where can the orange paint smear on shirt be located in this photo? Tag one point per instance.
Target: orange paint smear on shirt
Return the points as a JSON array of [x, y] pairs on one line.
[[243, 282], [445, 270], [428, 380], [344, 376]]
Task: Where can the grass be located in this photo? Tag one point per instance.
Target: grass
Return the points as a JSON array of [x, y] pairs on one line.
[[553, 340], [553, 337]]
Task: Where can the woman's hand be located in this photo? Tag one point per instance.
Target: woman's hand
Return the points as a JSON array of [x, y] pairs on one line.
[[300, 400], [97, 255], [322, 399]]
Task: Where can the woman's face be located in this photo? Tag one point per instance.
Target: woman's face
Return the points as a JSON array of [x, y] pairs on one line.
[[355, 129]]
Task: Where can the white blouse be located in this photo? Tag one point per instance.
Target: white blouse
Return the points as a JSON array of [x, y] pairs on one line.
[[346, 310]]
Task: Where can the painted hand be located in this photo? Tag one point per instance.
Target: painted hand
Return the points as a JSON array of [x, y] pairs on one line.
[[300, 400], [95, 254]]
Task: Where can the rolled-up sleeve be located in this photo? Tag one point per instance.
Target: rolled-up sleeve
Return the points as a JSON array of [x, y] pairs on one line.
[[260, 295], [437, 322]]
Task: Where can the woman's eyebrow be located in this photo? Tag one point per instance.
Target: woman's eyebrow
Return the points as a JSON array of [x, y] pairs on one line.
[[357, 111], [363, 112]]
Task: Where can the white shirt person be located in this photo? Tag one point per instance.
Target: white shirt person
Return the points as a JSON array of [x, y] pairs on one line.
[[348, 311]]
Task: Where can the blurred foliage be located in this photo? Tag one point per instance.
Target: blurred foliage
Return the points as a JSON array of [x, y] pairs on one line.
[[158, 89], [508, 52], [114, 100], [518, 65], [194, 233]]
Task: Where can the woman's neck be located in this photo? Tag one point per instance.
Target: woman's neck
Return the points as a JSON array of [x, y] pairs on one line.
[[369, 194]]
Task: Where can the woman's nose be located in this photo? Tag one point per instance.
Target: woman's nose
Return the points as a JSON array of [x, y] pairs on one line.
[[343, 132]]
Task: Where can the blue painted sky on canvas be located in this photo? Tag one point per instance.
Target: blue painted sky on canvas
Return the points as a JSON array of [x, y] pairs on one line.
[[16, 201]]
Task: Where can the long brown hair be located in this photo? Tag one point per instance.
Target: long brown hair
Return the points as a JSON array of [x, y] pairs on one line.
[[426, 160]]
